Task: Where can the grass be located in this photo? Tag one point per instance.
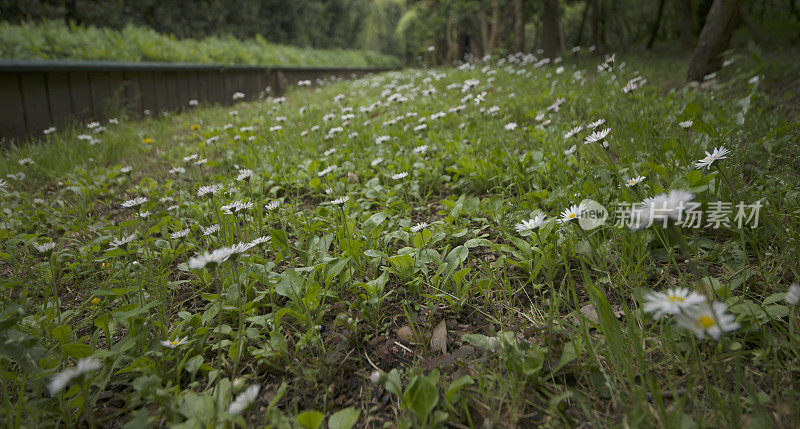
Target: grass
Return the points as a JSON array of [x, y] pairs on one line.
[[414, 301], [54, 40]]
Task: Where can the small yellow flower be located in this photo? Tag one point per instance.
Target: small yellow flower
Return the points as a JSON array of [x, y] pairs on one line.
[[96, 300], [148, 141], [195, 127], [105, 265]]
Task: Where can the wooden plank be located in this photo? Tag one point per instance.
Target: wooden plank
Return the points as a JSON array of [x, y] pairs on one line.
[[34, 98], [81, 95], [118, 100], [173, 85], [133, 93], [12, 116], [59, 97], [203, 90], [101, 94], [162, 97], [183, 90], [193, 87], [148, 87]]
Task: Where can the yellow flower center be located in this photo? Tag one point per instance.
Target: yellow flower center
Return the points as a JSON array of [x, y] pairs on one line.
[[95, 300], [148, 141], [676, 298], [174, 342], [705, 322], [571, 216]]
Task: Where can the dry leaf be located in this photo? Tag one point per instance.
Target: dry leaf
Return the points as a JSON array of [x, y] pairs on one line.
[[439, 338], [590, 313], [406, 334]]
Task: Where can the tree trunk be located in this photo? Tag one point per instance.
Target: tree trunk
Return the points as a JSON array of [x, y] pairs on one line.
[[596, 23], [579, 38], [483, 27], [495, 30], [623, 40], [519, 27], [451, 34], [721, 22], [757, 35], [550, 28], [684, 8], [656, 25]]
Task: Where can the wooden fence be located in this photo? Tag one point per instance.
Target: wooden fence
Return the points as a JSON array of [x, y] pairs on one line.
[[35, 95]]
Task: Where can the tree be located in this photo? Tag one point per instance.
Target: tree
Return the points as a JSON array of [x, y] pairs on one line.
[[656, 25], [722, 20], [551, 28], [519, 26]]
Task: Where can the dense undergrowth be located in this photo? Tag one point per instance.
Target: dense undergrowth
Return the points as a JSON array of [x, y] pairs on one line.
[[408, 249], [54, 40]]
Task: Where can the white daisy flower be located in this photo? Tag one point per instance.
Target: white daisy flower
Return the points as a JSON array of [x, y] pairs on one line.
[[376, 161], [421, 149], [527, 225], [707, 320], [244, 174], [326, 171], [597, 136], [126, 170], [177, 170], [572, 132], [595, 124], [399, 176], [793, 294], [664, 206], [208, 189], [180, 234], [211, 229], [194, 103], [134, 202], [244, 400], [686, 124], [189, 158], [45, 247], [571, 213], [634, 180], [49, 130], [3, 186], [65, 377], [175, 343], [259, 240], [238, 95], [212, 259], [144, 214], [671, 302], [571, 150], [25, 161], [511, 126], [381, 139], [419, 226], [717, 154], [420, 127], [341, 200], [236, 207], [272, 205]]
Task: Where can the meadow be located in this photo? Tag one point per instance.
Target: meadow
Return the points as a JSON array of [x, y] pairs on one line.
[[416, 249], [55, 40]]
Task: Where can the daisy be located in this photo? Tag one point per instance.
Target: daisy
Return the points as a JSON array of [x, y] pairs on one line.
[[571, 213], [717, 154], [175, 343], [126, 170], [376, 161], [190, 158], [25, 161], [46, 247], [671, 302], [597, 136], [571, 150], [123, 241], [572, 132], [49, 130], [419, 226], [236, 207], [330, 151], [511, 126], [212, 259], [381, 139], [633, 181], [686, 124], [134, 202], [209, 189], [65, 377], [399, 176], [180, 234], [326, 171], [663, 206], [420, 127], [244, 400], [421, 149], [341, 200], [793, 295], [211, 229], [144, 214], [272, 205], [595, 124], [177, 170], [707, 320], [259, 240], [244, 174], [3, 186], [527, 225]]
